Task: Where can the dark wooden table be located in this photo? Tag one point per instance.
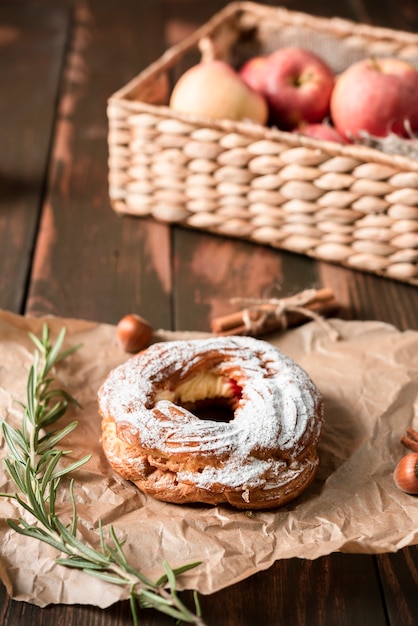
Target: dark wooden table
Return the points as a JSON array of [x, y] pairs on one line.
[[63, 251]]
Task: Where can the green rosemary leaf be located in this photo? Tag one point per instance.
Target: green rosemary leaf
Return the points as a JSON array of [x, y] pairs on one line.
[[134, 611], [186, 568], [49, 471], [170, 576], [35, 533], [61, 393], [37, 503], [23, 523], [110, 578], [150, 599], [197, 604], [16, 436], [43, 385], [45, 333], [24, 504], [101, 536], [11, 440], [114, 556], [52, 351], [131, 570], [148, 596], [38, 343], [72, 467], [78, 563], [50, 439], [25, 427], [32, 392], [52, 415], [3, 494], [52, 354], [15, 474], [66, 353], [29, 508], [173, 584], [177, 571], [53, 486], [118, 544], [83, 548], [45, 459], [74, 506]]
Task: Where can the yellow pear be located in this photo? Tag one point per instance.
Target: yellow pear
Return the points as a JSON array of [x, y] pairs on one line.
[[214, 89]]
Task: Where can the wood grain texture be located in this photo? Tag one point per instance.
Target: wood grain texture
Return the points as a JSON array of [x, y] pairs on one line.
[[212, 270], [399, 574], [339, 589], [366, 297], [27, 110], [130, 257]]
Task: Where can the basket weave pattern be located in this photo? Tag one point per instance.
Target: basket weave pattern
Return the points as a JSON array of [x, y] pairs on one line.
[[350, 204]]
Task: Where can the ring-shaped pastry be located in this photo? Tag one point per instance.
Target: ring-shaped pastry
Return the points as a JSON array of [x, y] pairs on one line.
[[263, 457]]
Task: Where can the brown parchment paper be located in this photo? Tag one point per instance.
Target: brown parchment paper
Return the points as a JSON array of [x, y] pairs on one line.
[[369, 383]]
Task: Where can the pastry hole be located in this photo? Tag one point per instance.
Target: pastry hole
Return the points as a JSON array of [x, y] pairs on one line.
[[215, 412], [214, 400]]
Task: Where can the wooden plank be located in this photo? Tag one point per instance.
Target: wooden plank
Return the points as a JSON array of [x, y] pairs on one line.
[[32, 44], [364, 296], [400, 581], [336, 590], [211, 270], [22, 614], [131, 257]]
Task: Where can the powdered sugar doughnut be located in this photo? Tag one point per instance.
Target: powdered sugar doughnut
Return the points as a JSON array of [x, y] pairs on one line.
[[263, 457]]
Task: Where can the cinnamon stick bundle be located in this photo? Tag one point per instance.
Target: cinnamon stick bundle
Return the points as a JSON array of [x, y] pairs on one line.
[[263, 316]]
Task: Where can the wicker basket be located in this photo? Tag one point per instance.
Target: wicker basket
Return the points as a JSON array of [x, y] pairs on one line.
[[349, 204]]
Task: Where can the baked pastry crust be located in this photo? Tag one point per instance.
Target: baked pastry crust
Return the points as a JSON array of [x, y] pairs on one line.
[[264, 457]]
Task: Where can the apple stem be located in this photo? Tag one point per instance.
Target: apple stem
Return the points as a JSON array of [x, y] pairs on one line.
[[374, 63]]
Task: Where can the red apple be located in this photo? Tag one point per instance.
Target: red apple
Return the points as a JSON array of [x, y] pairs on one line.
[[297, 86], [252, 72], [215, 89], [379, 96], [323, 131]]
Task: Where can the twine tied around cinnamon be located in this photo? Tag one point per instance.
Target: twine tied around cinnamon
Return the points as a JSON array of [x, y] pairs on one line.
[[260, 316]]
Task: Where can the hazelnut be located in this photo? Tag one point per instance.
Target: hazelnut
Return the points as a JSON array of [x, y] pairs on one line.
[[406, 474], [134, 333]]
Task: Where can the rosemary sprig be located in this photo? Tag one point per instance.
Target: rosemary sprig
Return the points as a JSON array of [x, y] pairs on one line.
[[34, 465]]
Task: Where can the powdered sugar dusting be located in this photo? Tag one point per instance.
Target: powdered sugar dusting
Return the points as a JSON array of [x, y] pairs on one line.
[[276, 416]]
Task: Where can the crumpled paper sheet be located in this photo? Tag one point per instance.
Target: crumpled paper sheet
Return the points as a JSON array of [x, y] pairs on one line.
[[369, 383]]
